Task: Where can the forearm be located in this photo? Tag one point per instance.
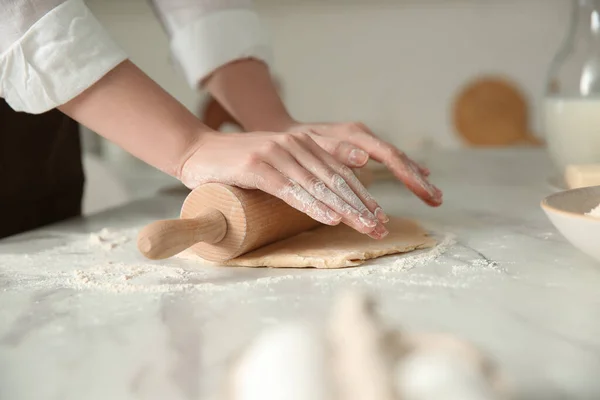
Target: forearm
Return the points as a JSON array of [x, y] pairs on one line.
[[246, 90], [131, 110]]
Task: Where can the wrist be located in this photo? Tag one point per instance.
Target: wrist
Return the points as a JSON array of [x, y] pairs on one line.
[[199, 140], [248, 92]]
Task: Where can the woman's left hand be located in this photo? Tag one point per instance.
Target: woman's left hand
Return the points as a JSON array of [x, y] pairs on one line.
[[353, 144], [245, 88]]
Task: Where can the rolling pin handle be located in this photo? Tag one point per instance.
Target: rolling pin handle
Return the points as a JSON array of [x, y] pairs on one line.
[[163, 239]]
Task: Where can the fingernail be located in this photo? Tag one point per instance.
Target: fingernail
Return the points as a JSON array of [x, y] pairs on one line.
[[381, 231], [368, 222], [381, 216], [358, 157], [423, 182], [333, 216], [437, 197], [431, 190]]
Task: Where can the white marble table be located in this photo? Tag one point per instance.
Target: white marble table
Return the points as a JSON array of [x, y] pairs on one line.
[[82, 320]]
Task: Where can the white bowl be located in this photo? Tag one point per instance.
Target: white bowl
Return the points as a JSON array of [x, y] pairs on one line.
[[567, 212]]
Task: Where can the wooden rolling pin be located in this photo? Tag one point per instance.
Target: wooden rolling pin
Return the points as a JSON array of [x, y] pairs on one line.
[[220, 222]]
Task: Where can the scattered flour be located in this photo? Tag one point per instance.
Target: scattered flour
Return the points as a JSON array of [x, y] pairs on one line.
[[152, 278], [594, 212], [123, 278], [108, 239], [446, 243], [83, 263], [480, 262]]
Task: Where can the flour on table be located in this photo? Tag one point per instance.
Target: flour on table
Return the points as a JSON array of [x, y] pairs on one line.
[[108, 239], [448, 241], [84, 262], [594, 212], [129, 278]]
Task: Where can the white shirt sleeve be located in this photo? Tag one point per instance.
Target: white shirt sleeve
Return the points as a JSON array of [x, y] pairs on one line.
[[50, 52], [207, 34]]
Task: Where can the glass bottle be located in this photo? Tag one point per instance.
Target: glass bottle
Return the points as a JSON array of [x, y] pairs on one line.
[[572, 97]]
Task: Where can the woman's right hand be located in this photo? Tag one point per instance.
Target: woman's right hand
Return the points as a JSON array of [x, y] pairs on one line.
[[290, 166], [131, 110]]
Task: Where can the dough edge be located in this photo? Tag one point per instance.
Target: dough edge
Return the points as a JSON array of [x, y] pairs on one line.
[[348, 260], [407, 236]]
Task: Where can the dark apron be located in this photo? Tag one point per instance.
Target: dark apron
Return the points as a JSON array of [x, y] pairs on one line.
[[41, 173]]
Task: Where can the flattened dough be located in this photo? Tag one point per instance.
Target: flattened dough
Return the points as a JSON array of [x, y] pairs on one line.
[[336, 247]]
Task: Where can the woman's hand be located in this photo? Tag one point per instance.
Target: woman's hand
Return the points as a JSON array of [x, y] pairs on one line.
[[353, 144], [291, 166], [245, 89]]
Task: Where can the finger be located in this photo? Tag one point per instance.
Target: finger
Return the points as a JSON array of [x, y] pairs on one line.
[[287, 164], [419, 180], [412, 176], [325, 167], [336, 176], [350, 154], [399, 164], [353, 182], [273, 182], [423, 170], [346, 153]]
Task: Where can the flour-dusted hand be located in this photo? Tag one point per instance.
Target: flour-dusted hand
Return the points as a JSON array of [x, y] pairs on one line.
[[291, 166], [354, 143]]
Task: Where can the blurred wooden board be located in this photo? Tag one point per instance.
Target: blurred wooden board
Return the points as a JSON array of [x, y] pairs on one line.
[[493, 112]]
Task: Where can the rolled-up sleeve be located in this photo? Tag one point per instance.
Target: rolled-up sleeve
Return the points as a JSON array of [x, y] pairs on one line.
[[207, 34], [50, 52]]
